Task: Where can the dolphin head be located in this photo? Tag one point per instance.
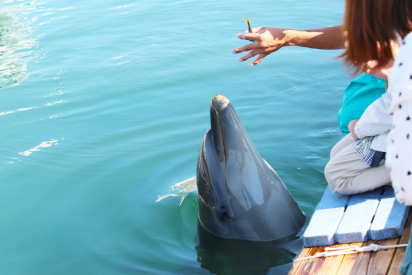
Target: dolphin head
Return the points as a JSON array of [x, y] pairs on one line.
[[240, 195]]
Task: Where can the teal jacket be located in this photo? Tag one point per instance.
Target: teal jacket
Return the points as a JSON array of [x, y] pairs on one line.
[[360, 93]]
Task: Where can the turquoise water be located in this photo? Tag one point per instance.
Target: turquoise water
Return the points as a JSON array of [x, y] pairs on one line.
[[103, 108]]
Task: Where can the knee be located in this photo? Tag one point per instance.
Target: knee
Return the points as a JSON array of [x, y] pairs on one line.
[[335, 149], [343, 143], [331, 176], [336, 180]]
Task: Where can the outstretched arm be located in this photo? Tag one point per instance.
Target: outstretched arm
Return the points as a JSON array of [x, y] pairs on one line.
[[268, 40]]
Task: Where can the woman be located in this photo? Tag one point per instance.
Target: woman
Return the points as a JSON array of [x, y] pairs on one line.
[[373, 30], [377, 33], [379, 41]]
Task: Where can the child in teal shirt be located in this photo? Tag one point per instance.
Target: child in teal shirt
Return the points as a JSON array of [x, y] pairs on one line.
[[359, 94]]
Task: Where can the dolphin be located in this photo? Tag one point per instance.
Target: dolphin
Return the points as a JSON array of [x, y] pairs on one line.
[[240, 195]]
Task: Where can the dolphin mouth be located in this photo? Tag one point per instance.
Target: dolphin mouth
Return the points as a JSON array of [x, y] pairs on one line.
[[218, 106]]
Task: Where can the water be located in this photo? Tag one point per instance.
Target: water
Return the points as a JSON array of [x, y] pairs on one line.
[[103, 108]]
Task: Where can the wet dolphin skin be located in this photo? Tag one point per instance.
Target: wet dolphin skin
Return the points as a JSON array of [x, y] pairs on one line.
[[240, 195]]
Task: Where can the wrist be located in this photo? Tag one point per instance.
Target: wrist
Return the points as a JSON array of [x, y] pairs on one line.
[[358, 132], [291, 38]]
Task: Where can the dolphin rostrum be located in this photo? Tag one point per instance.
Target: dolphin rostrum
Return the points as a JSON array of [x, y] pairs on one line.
[[240, 195]]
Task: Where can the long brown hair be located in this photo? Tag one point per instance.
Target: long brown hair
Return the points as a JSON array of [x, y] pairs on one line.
[[371, 27]]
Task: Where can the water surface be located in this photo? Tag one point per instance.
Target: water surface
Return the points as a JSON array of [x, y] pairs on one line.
[[104, 105]]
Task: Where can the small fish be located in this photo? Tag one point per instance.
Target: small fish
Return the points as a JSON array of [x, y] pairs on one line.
[[248, 23]]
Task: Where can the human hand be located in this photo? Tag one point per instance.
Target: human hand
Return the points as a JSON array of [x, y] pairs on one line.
[[351, 128], [264, 42]]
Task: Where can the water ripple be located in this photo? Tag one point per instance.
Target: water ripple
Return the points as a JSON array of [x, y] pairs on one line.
[[16, 41], [37, 148]]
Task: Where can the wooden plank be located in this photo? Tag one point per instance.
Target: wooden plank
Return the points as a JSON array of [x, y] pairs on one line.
[[348, 262], [400, 252], [299, 266], [386, 261], [329, 265], [370, 263], [381, 260], [362, 262]]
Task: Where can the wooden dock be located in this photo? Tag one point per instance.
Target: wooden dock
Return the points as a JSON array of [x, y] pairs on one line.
[[387, 261]]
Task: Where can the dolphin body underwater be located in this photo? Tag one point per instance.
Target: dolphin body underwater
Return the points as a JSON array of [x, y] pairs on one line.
[[240, 195]]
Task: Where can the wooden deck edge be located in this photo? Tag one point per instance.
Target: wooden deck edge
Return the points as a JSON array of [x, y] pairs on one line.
[[399, 253], [386, 261]]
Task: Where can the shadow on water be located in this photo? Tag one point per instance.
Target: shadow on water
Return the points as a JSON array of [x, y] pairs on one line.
[[227, 256]]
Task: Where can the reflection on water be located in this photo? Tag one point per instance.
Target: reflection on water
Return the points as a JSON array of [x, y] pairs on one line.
[[44, 144], [225, 256], [16, 42]]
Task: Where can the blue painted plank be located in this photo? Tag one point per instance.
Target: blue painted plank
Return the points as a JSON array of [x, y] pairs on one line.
[[325, 220], [356, 221], [390, 218], [322, 227], [332, 200], [346, 219]]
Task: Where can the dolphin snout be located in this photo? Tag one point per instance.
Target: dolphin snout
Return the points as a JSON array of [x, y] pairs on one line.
[[220, 102]]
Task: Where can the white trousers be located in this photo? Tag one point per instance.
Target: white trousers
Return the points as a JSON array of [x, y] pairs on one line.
[[347, 173]]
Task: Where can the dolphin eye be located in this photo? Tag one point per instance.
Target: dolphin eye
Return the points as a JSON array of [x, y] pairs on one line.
[[223, 213]]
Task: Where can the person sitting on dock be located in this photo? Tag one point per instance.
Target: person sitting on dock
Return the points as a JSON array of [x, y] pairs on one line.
[[379, 41], [372, 44]]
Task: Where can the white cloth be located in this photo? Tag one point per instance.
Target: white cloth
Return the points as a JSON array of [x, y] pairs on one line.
[[393, 112], [399, 142], [376, 122]]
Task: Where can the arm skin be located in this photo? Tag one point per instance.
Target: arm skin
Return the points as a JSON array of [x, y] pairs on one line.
[[268, 40]]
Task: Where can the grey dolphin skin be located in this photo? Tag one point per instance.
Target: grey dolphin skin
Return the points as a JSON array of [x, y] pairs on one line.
[[240, 195]]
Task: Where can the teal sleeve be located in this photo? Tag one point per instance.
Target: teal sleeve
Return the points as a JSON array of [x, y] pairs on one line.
[[359, 94]]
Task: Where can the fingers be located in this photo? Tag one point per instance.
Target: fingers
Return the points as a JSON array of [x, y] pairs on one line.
[[251, 36], [262, 53], [258, 59], [246, 57], [253, 54], [245, 48], [256, 48], [255, 37]]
